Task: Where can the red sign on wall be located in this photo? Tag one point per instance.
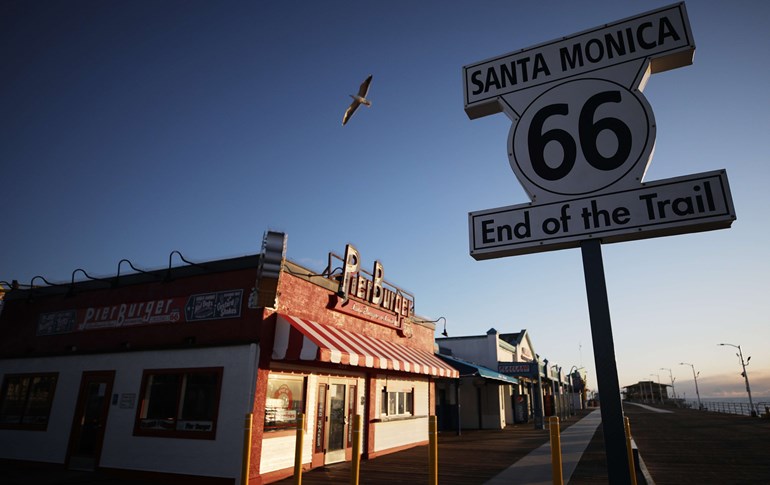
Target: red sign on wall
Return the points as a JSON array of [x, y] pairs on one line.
[[203, 306]]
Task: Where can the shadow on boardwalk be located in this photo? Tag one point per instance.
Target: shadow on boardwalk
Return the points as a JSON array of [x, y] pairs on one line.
[[681, 447], [474, 457]]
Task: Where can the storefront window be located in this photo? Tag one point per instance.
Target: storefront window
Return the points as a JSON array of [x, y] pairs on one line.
[[179, 402], [397, 403], [285, 401], [26, 400]]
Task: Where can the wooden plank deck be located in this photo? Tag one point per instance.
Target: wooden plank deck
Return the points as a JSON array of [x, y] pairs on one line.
[[474, 457], [682, 447], [690, 446]]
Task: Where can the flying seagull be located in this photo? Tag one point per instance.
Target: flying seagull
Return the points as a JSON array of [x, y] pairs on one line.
[[358, 99]]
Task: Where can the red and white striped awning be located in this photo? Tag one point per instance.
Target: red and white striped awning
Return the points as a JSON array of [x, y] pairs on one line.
[[300, 339]]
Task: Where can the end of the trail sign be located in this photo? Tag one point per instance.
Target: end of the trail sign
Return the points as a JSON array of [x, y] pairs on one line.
[[582, 137], [679, 205]]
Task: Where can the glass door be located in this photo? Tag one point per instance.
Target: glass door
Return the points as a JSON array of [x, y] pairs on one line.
[[319, 433], [90, 419], [337, 424]]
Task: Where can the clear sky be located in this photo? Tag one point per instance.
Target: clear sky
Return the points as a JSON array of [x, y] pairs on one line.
[[130, 129]]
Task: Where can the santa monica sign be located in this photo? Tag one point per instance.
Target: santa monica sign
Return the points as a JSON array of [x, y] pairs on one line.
[[582, 138]]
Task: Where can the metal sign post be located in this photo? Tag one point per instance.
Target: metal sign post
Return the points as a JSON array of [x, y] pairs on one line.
[[581, 140], [604, 359]]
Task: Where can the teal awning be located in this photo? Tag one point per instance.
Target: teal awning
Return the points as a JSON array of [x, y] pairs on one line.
[[469, 369]]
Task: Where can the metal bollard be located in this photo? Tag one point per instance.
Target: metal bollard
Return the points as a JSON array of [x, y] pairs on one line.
[[356, 460], [298, 449], [433, 450], [246, 464], [553, 424], [630, 451]]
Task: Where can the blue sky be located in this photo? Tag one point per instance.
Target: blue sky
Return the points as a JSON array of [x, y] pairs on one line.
[[132, 129]]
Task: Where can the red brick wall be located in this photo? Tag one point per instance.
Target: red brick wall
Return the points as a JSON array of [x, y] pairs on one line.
[[304, 299]]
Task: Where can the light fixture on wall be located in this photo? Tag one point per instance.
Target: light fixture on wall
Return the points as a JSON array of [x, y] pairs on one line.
[[444, 333], [117, 276], [13, 285], [71, 291], [32, 281], [168, 272], [30, 299]]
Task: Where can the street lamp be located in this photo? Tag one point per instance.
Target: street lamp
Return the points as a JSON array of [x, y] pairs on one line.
[[555, 392], [695, 377], [671, 376], [571, 374], [659, 391], [652, 394], [744, 374]]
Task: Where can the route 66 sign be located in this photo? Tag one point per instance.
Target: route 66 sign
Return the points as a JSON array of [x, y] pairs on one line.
[[580, 137], [583, 133]]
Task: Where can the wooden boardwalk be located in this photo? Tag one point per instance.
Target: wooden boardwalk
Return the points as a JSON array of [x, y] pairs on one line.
[[681, 447], [474, 457], [690, 446]]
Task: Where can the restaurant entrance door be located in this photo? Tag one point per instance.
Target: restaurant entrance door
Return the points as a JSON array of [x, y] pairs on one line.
[[335, 408]]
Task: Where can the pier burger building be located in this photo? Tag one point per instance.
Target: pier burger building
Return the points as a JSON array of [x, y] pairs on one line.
[[201, 370]]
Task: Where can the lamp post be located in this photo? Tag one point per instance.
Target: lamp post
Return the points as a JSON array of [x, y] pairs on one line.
[[572, 372], [563, 413], [671, 376], [538, 397], [556, 407], [659, 392], [745, 375], [695, 377], [652, 394]]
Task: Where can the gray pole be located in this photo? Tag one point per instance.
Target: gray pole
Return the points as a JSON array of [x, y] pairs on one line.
[[745, 377], [695, 378], [538, 397], [459, 415], [660, 393], [670, 376], [611, 407]]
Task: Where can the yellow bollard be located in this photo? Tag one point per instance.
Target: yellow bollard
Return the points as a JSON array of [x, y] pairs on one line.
[[630, 451], [433, 450], [298, 449], [246, 450], [356, 465], [553, 424]]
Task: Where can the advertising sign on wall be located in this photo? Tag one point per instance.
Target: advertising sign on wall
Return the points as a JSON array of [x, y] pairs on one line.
[[203, 306]]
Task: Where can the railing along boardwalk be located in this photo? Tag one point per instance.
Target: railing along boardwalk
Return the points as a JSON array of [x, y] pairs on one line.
[[761, 409]]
